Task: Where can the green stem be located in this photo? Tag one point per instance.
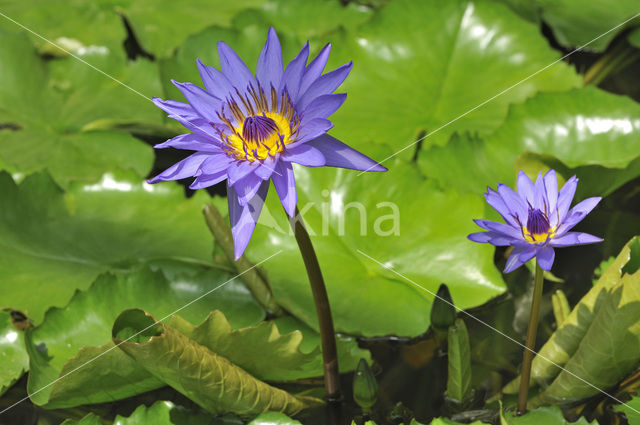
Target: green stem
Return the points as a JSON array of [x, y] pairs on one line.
[[249, 274], [531, 340], [323, 309]]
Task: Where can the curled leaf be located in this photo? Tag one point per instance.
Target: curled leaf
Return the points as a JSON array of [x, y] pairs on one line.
[[210, 380]]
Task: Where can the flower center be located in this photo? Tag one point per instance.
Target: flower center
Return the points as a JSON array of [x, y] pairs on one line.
[[259, 127], [537, 229]]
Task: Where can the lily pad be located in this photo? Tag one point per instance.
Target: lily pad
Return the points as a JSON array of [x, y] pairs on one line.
[[282, 355], [210, 380], [580, 128], [160, 413], [273, 418], [51, 106], [545, 415], [76, 340], [53, 242], [630, 410], [414, 75], [83, 23], [13, 355], [397, 219], [576, 23]]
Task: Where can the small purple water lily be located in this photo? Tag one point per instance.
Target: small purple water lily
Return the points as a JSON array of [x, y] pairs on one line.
[[248, 129], [537, 218]]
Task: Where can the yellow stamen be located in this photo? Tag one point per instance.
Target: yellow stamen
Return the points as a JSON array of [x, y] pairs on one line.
[[538, 237]]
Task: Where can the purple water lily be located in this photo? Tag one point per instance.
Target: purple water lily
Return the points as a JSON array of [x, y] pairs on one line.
[[248, 129], [537, 218]]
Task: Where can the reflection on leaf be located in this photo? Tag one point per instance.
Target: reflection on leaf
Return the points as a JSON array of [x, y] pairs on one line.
[[588, 128], [68, 239], [51, 103], [15, 360]]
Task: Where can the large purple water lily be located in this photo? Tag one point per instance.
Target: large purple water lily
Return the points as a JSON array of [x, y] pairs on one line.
[[537, 218], [248, 129]]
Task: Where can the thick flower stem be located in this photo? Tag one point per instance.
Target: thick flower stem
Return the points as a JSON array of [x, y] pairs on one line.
[[531, 340], [323, 310]]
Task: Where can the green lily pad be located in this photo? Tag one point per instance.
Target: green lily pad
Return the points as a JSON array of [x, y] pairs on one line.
[[576, 23], [82, 23], [273, 418], [545, 415], [281, 357], [630, 410], [413, 74], [426, 242], [160, 413], [210, 380], [51, 106], [161, 26], [13, 355], [581, 128], [53, 242], [79, 336]]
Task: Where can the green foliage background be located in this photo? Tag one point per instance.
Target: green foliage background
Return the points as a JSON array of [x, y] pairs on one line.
[[451, 96]]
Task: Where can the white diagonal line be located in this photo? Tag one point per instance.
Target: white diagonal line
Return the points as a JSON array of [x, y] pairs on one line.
[[77, 57], [501, 93], [133, 336], [494, 329], [100, 71]]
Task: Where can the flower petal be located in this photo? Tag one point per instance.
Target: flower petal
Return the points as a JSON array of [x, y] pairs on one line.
[[234, 68], [545, 257], [206, 180], [247, 187], [269, 68], [337, 154], [551, 190], [577, 214], [500, 228], [200, 126], [173, 107], [566, 196], [315, 68], [214, 81], [203, 102], [191, 141], [496, 201], [292, 76], [285, 184], [326, 84], [517, 205], [180, 170], [304, 155], [238, 170], [519, 256], [309, 130], [526, 189], [215, 163], [323, 106], [540, 195], [266, 168], [496, 239], [574, 238], [243, 218]]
